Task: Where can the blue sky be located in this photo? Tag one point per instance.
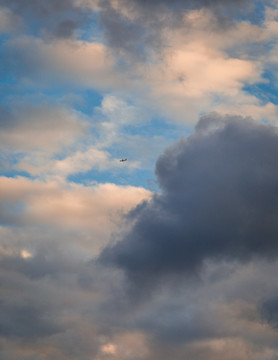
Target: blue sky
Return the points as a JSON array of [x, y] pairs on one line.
[[173, 252]]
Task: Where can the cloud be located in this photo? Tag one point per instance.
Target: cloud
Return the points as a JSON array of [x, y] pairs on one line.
[[190, 3], [99, 143], [91, 211], [218, 201], [83, 161], [25, 321], [50, 140], [197, 73], [210, 316], [269, 311], [135, 28], [59, 61], [9, 22], [60, 18], [48, 127], [196, 69]]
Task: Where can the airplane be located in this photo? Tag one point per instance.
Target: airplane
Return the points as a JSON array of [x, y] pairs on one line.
[[122, 160]]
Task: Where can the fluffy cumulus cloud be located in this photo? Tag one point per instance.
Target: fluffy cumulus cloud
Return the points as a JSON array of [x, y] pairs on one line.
[[95, 210]]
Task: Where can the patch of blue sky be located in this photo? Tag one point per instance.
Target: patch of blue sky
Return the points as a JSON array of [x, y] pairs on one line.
[[121, 176], [83, 100], [13, 173], [4, 37], [266, 91], [143, 148], [87, 101], [144, 143], [7, 91], [155, 126], [91, 30], [6, 74], [34, 24], [11, 65]]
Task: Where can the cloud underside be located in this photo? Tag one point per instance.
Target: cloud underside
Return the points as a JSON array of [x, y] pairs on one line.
[[218, 201]]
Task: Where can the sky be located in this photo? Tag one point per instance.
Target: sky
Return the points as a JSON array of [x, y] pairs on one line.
[[172, 254]]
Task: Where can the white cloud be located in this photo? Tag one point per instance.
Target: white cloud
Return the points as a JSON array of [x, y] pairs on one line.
[[25, 254], [68, 61], [109, 349], [95, 210]]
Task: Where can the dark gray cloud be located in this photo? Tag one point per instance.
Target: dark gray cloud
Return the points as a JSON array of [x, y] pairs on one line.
[[219, 200], [142, 34], [39, 6], [26, 321], [65, 28], [25, 310], [136, 37], [191, 3], [269, 311], [59, 17], [122, 34]]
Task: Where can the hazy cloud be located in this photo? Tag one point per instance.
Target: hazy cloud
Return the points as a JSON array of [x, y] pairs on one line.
[[39, 127]]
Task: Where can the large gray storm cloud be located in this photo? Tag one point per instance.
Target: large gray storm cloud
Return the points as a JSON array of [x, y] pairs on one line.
[[218, 200]]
